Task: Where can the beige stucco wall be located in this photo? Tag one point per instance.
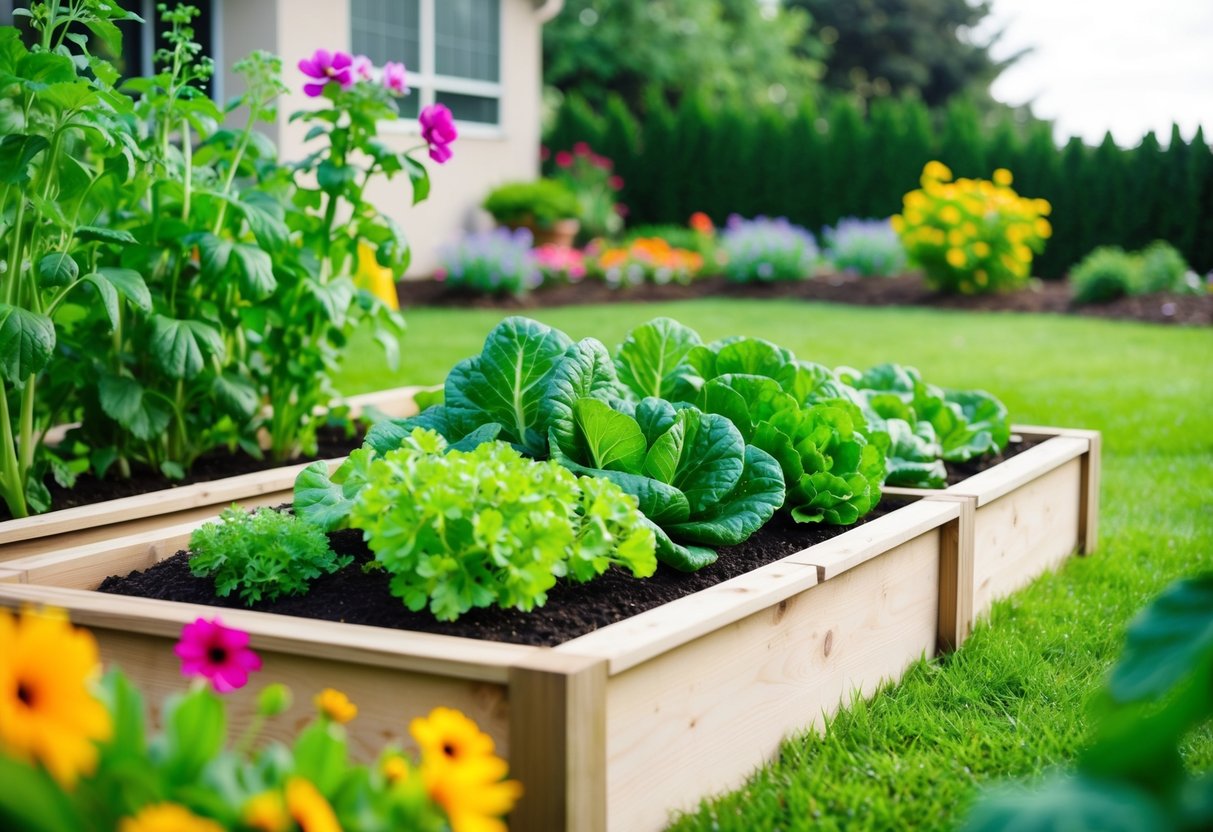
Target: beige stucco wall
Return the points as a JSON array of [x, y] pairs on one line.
[[484, 157]]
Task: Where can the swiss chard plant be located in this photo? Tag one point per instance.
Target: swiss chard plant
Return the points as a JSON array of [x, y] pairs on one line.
[[793, 410]]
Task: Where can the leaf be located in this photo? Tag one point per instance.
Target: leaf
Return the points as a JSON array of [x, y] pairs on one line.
[[16, 152], [419, 178], [325, 500], [129, 284], [650, 362], [256, 271], [27, 341], [718, 397], [92, 233], [109, 298], [713, 459], [214, 255], [984, 414], [320, 755], [236, 395], [32, 802], [752, 356], [613, 440], [1170, 640], [57, 269], [264, 217], [1069, 804], [181, 347], [758, 495], [333, 179], [586, 371], [41, 69], [334, 297], [195, 729], [122, 399], [661, 460]]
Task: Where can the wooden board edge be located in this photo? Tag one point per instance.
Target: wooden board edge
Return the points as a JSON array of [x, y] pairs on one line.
[[481, 661], [1021, 469], [396, 402], [11, 576], [558, 742], [1088, 506], [956, 575]]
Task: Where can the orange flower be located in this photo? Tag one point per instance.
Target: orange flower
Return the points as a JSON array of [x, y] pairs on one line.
[[308, 807], [335, 705], [702, 223], [167, 817]]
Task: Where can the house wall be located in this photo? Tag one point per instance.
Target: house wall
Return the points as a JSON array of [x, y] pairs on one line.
[[484, 156]]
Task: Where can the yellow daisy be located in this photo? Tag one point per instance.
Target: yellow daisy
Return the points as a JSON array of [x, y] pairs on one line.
[[335, 705], [167, 817], [308, 808], [266, 812]]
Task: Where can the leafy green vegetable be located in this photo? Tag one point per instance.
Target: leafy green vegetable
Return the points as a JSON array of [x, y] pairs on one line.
[[651, 362], [263, 554], [466, 529], [697, 482]]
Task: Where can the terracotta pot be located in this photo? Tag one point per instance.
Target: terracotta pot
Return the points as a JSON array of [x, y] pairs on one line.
[[561, 233]]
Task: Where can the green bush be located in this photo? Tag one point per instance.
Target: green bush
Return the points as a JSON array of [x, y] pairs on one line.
[[542, 202], [1163, 269], [263, 554], [1106, 274]]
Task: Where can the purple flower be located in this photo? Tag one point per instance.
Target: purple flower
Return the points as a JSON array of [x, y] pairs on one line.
[[395, 79], [438, 130], [362, 67], [327, 66]]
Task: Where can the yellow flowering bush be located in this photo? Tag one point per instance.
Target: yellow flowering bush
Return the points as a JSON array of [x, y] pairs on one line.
[[972, 235]]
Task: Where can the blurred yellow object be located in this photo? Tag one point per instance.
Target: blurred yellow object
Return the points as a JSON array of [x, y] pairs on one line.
[[376, 279]]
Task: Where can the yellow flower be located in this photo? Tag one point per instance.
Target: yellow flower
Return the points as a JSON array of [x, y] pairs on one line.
[[167, 817], [395, 769], [266, 812], [1043, 207], [1023, 254], [936, 170], [47, 713], [461, 772], [956, 258], [980, 277], [1003, 177], [308, 808], [376, 279], [981, 249], [914, 216], [898, 222], [956, 237], [1043, 228], [335, 705]]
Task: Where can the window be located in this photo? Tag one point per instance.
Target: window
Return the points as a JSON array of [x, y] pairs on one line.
[[451, 48]]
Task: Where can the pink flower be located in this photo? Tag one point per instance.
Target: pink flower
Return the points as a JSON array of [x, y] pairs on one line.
[[219, 653], [438, 130], [362, 67], [440, 274], [582, 149], [616, 182], [564, 159], [601, 162], [395, 79], [327, 66]]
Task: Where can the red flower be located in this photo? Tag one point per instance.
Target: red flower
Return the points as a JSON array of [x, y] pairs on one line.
[[564, 159], [616, 182]]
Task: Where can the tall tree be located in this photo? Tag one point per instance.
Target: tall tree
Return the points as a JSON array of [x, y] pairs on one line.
[[757, 52], [904, 47]]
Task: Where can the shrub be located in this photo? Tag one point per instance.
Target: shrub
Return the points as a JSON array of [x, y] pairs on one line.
[[1107, 273], [763, 250], [590, 178], [972, 235], [1163, 269], [865, 247], [542, 202], [492, 262], [465, 529], [263, 554], [649, 259]]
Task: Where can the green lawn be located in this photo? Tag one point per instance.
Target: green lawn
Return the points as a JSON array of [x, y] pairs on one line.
[[1012, 702]]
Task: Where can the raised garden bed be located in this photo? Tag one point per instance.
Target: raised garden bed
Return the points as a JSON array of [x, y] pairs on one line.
[[1028, 513], [610, 730], [110, 519]]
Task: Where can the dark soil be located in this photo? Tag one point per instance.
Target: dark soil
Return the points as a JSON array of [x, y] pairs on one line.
[[903, 290], [355, 596], [214, 465], [958, 471]]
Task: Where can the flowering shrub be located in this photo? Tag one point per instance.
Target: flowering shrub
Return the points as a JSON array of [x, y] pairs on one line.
[[560, 264], [76, 751], [699, 239], [499, 261], [865, 247], [972, 235], [647, 258], [763, 250], [591, 179]]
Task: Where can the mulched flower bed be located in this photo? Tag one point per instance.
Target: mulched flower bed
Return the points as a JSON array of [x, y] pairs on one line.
[[214, 465], [904, 290]]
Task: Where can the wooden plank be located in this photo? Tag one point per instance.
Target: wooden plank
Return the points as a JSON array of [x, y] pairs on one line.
[[387, 694], [698, 719], [397, 403], [1025, 533], [861, 544], [1088, 506], [397, 649], [558, 726], [1020, 469], [11, 576], [956, 574]]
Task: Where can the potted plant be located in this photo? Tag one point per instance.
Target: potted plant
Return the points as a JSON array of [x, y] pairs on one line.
[[547, 207]]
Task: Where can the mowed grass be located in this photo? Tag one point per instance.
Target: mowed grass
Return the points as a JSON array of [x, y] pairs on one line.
[[1013, 701]]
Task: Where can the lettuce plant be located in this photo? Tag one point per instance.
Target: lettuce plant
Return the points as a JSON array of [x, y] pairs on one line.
[[465, 529], [262, 554], [793, 410]]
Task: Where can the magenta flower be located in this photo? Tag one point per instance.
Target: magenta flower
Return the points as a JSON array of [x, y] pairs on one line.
[[395, 80], [564, 159], [218, 653], [582, 149], [616, 182], [362, 67], [327, 66], [438, 130]]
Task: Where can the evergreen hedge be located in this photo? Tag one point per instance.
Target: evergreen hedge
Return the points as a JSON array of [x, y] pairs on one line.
[[817, 166]]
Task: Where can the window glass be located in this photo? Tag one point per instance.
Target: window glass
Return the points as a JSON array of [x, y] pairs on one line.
[[387, 30], [467, 39], [469, 107]]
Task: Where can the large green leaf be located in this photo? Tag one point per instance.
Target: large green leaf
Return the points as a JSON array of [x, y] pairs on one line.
[[236, 395], [195, 728], [755, 499], [181, 347], [129, 284], [984, 414], [57, 269], [32, 802], [326, 500], [612, 440], [17, 151], [115, 236], [1068, 805], [123, 399], [255, 270], [27, 341], [585, 371], [661, 460], [650, 361], [713, 459], [752, 356]]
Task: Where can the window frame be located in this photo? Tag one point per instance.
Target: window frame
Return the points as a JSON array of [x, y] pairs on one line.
[[426, 83]]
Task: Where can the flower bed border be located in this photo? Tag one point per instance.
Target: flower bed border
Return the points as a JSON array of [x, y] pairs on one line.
[[70, 527], [712, 682]]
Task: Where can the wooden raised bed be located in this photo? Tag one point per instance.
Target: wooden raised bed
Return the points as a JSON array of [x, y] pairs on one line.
[[609, 731], [1028, 513], [56, 530]]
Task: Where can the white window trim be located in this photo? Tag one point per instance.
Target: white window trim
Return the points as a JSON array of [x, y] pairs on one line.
[[425, 82]]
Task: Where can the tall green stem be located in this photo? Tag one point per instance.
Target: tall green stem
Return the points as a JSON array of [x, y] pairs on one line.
[[13, 486]]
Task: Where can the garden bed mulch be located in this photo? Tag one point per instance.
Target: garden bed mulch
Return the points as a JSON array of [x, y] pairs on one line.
[[213, 465], [903, 290]]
